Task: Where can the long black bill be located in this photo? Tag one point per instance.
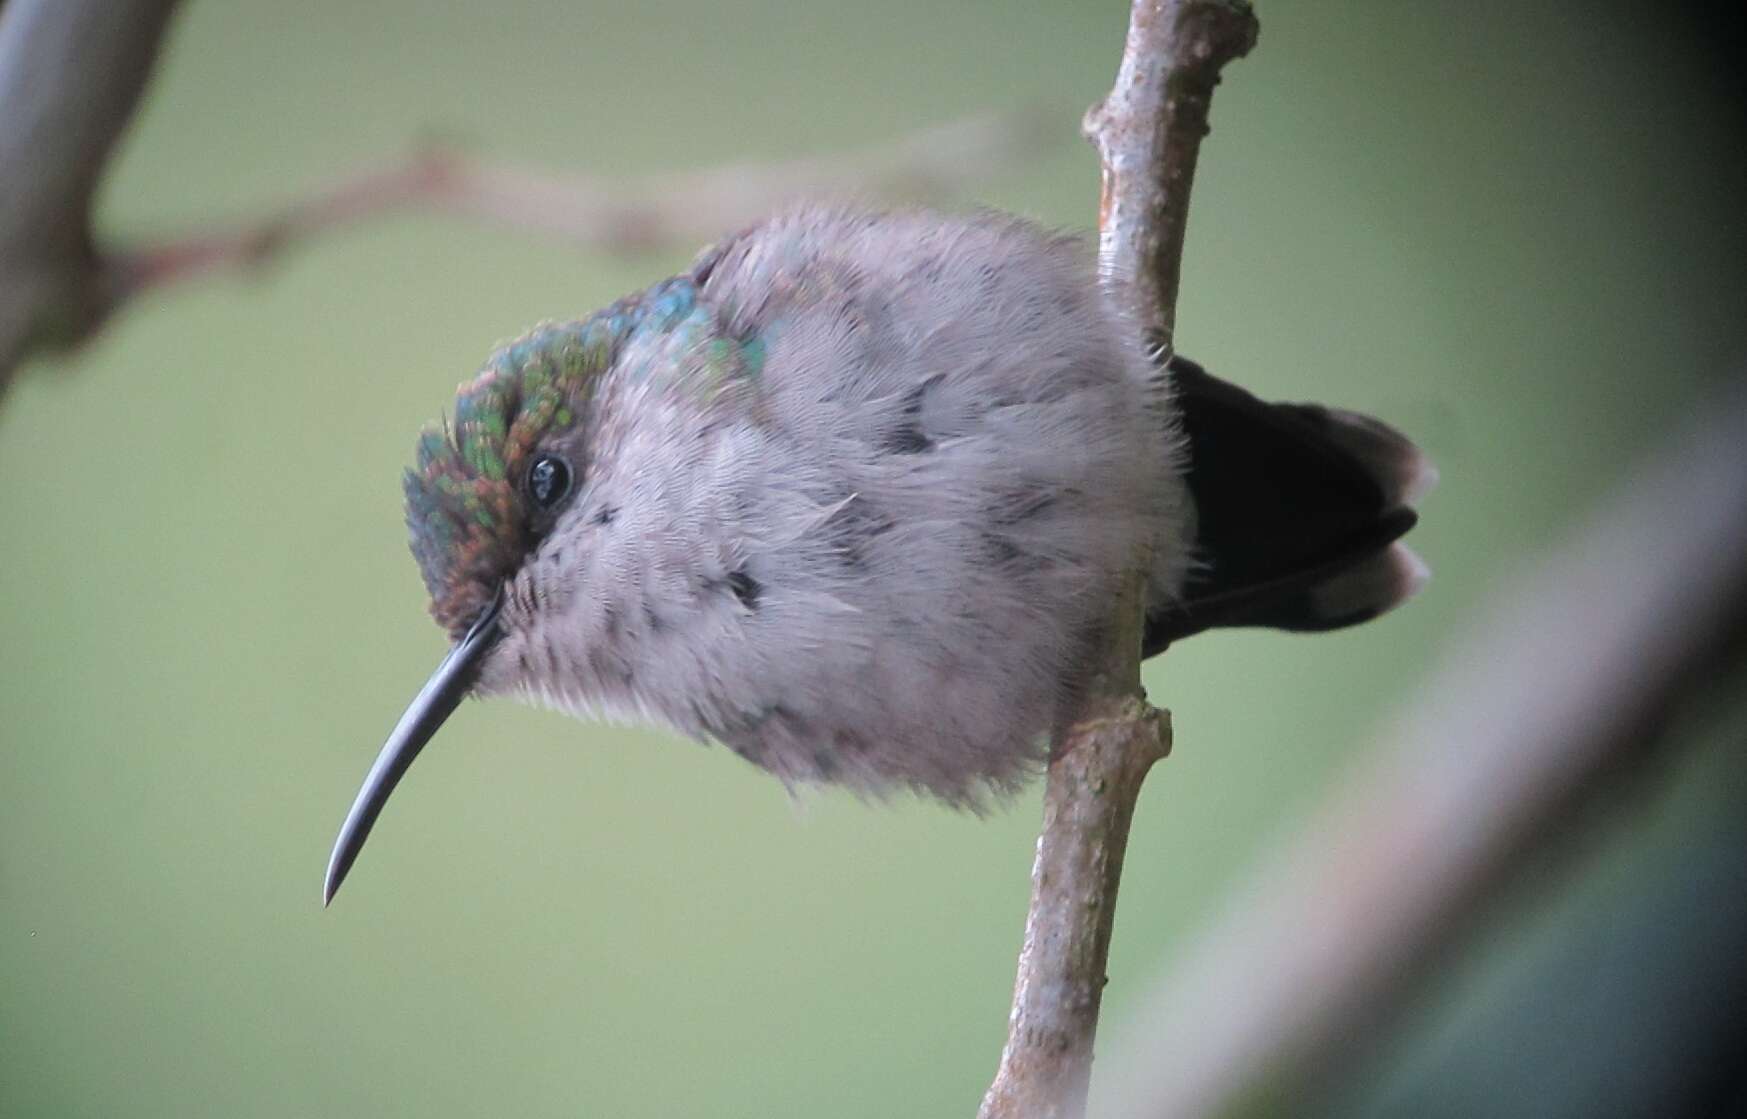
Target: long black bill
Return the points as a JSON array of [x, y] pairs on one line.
[[436, 701]]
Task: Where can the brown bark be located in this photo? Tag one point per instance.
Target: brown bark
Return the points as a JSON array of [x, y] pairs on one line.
[[1148, 132]]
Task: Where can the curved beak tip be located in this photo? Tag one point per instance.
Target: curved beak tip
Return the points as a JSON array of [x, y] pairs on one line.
[[442, 693]]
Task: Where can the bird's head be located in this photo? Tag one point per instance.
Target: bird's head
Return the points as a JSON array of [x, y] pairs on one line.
[[490, 485], [487, 487], [504, 482]]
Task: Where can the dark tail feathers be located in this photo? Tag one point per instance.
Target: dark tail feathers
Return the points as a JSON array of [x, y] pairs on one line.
[[1299, 509]]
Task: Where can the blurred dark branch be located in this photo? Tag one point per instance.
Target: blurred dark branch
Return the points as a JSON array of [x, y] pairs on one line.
[[1562, 683], [71, 75], [1147, 132]]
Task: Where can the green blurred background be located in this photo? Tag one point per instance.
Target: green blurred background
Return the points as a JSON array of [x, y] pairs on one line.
[[1511, 229]]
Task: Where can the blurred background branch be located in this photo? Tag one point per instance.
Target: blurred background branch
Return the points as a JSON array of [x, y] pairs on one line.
[[72, 73], [1569, 679], [686, 209]]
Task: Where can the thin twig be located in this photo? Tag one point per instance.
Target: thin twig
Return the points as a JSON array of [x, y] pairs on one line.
[[1148, 132], [1088, 805], [693, 207], [75, 70], [685, 209], [1563, 679]]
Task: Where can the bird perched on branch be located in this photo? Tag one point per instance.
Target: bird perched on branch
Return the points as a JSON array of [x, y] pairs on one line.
[[854, 496]]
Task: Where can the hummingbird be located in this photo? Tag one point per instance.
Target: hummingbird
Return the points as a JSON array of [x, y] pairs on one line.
[[853, 495]]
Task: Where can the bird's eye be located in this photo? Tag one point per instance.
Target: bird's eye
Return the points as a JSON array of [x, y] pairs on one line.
[[548, 481]]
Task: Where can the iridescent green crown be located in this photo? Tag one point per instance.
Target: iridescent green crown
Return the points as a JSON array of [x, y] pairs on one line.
[[465, 506]]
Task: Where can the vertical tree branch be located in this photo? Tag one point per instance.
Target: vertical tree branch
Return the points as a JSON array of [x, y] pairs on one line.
[[1088, 804], [1148, 132]]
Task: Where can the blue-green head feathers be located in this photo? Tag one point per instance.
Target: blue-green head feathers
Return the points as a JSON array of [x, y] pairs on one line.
[[467, 507], [466, 504]]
